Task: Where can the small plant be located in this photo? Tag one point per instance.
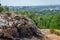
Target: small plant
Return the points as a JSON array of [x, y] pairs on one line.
[[52, 30], [55, 31]]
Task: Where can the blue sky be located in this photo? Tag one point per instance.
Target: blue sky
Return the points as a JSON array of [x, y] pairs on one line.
[[29, 2]]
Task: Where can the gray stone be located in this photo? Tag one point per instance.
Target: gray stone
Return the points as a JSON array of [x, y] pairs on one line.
[[18, 28]]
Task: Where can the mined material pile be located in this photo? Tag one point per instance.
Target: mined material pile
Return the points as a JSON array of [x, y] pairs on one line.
[[15, 27]]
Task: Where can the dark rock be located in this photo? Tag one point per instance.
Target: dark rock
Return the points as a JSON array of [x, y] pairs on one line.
[[14, 27]]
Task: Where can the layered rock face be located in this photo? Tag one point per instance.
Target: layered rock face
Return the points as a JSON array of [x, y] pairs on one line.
[[15, 27]]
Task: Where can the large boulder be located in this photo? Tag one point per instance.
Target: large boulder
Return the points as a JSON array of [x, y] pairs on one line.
[[15, 27]]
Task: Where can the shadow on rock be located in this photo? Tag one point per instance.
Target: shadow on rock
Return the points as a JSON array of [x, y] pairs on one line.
[[18, 28]]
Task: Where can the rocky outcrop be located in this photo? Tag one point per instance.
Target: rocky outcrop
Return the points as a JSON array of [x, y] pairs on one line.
[[15, 27]]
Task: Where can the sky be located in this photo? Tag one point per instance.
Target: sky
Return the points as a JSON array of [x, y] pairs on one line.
[[29, 2]]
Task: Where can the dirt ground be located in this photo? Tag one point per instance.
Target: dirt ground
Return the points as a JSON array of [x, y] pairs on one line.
[[49, 36]]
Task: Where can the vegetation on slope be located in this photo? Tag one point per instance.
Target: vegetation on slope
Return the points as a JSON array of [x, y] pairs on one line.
[[43, 19]]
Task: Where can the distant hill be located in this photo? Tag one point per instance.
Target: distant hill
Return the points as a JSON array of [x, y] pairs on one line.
[[50, 7]]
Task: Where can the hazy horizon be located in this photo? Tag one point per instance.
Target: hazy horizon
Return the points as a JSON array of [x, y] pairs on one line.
[[29, 2]]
